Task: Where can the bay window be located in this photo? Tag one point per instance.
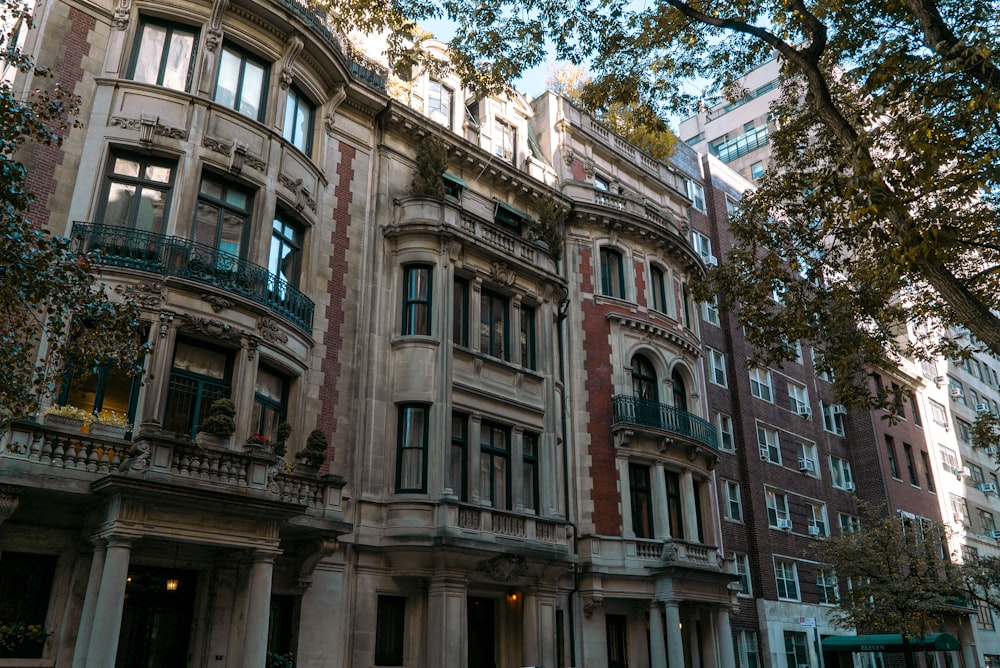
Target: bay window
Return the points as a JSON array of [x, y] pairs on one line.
[[411, 466], [164, 55], [242, 82]]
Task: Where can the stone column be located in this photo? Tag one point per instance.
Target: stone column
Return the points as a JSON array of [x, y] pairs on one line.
[[86, 628], [107, 622], [258, 610], [472, 458], [447, 631], [657, 645], [690, 518], [708, 633], [530, 655], [626, 498], [661, 526], [724, 632], [675, 640]]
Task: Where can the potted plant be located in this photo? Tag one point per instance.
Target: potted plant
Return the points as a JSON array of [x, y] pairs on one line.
[[257, 441], [21, 641], [220, 424], [110, 423], [283, 432], [311, 457], [432, 160], [68, 417]]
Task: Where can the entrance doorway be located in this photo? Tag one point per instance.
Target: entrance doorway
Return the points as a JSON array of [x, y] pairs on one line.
[[156, 620], [482, 633]]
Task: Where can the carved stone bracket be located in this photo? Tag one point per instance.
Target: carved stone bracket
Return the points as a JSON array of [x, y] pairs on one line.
[[148, 126], [148, 295], [590, 604], [217, 302], [212, 328], [302, 197], [10, 499], [166, 319], [214, 36], [138, 459], [692, 452], [237, 152], [123, 9], [589, 168], [338, 96], [272, 332], [286, 68], [568, 155], [665, 444], [622, 437], [253, 344], [503, 567]]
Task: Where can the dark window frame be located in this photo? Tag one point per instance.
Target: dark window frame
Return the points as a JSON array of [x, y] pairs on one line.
[[224, 208], [490, 452], [414, 300], [405, 447], [390, 630], [529, 470], [658, 285], [612, 282], [281, 224], [300, 102], [527, 338], [245, 57], [492, 343], [641, 496], [460, 312], [140, 183], [205, 385], [170, 27]]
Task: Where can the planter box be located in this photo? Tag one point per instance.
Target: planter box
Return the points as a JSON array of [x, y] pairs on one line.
[[109, 430], [63, 422]]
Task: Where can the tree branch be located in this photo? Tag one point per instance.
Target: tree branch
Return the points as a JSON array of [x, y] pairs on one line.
[[937, 33]]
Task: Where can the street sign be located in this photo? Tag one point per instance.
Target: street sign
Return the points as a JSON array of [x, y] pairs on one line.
[[807, 622]]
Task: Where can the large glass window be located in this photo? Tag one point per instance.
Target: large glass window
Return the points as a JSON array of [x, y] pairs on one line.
[[299, 115], [460, 313], [777, 510], [136, 192], [440, 100], [494, 465], [642, 501], [222, 218], [675, 515], [200, 374], [411, 469], [787, 577], [529, 471], [528, 337], [644, 384], [504, 140], [612, 274], [493, 325], [390, 617], [658, 285], [796, 652], [457, 453], [749, 654], [270, 399], [242, 83], [760, 384], [164, 55], [416, 300], [285, 255]]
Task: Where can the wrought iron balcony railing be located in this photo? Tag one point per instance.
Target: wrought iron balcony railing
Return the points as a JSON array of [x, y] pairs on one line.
[[176, 256], [630, 410]]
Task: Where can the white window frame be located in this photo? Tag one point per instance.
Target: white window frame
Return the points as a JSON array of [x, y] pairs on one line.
[[743, 570], [734, 502], [826, 583], [807, 455], [769, 443], [848, 523], [787, 571], [798, 399], [710, 311], [717, 368], [816, 516], [760, 384], [777, 505], [833, 419], [702, 246], [724, 426], [840, 473], [696, 193], [749, 646]]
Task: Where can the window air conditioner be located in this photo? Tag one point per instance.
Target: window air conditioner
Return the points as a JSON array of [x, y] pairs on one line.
[[849, 486], [993, 533], [982, 408], [958, 518], [806, 465], [712, 261], [988, 488], [805, 411], [956, 393], [814, 530], [839, 410], [961, 472], [764, 453], [785, 525]]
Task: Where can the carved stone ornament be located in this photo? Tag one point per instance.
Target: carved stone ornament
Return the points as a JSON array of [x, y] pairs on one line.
[[212, 328], [148, 295], [502, 274], [252, 345], [143, 125], [338, 95], [503, 567], [591, 604], [272, 332], [123, 9], [568, 155], [138, 459], [292, 49], [589, 168], [220, 146], [302, 197], [692, 452], [166, 319], [622, 438], [10, 499], [217, 302], [214, 36]]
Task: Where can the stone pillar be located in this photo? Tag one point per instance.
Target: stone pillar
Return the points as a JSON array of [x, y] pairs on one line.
[[724, 632], [708, 633], [675, 640], [258, 610], [661, 526], [472, 456], [530, 655], [323, 619], [690, 518], [626, 498], [447, 631], [86, 628], [107, 624], [657, 645]]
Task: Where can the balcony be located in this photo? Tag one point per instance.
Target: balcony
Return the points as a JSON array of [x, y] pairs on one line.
[[182, 258], [742, 145], [660, 417]]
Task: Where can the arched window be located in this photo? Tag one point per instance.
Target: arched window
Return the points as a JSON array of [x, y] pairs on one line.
[[680, 393], [644, 379]]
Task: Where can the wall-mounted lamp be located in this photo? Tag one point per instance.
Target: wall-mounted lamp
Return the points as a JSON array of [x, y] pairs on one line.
[[513, 597], [172, 584]]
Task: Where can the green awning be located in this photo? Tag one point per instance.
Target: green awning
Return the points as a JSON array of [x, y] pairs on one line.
[[448, 176], [891, 642]]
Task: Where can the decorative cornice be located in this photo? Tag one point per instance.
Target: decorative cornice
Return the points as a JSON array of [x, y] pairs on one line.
[[503, 567], [211, 328], [658, 331], [148, 295], [217, 302], [159, 129], [272, 332]]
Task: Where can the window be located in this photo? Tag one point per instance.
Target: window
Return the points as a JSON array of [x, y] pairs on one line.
[[493, 325], [528, 337], [833, 418], [911, 466], [460, 313], [760, 384], [411, 469], [642, 502], [949, 459], [242, 83], [389, 636], [529, 471], [787, 577], [957, 390], [164, 55], [616, 631], [659, 287], [749, 654], [840, 472], [457, 453], [777, 509], [299, 115], [710, 311], [137, 192], [849, 523], [820, 367], [25, 589], [674, 514], [717, 368], [453, 186], [915, 408], [734, 504], [767, 440], [494, 465], [702, 246], [696, 193], [601, 183], [816, 517], [890, 449], [796, 651], [270, 399], [200, 374], [440, 100], [928, 474], [222, 219], [826, 586], [798, 400], [743, 570], [416, 300], [285, 255], [986, 522], [984, 616], [964, 430], [757, 170], [807, 458], [724, 423], [959, 509], [612, 274], [100, 388], [504, 140], [938, 414]]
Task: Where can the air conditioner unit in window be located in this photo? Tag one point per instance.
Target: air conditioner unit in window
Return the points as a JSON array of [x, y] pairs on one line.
[[961, 472], [849, 486], [712, 261], [806, 465], [982, 408], [764, 453], [992, 450], [839, 410], [993, 533], [814, 530], [939, 380], [956, 393], [958, 518], [805, 411], [988, 487], [784, 525]]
